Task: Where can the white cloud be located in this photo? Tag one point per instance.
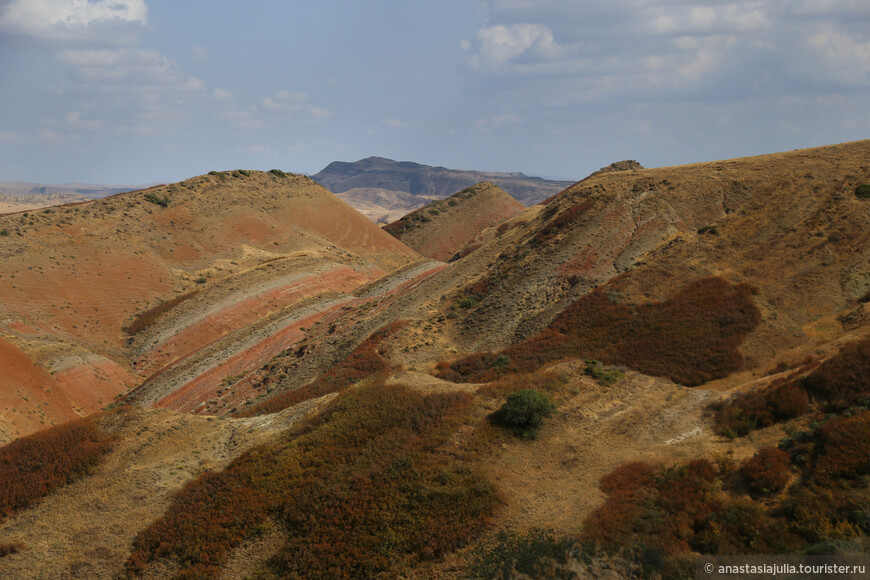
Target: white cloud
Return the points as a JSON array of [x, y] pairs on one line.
[[74, 118], [283, 107], [284, 102], [488, 124], [65, 19], [14, 138], [319, 112], [128, 69], [498, 45], [221, 95], [200, 53], [396, 123]]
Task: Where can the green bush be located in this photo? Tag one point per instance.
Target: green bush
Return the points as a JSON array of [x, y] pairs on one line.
[[524, 412], [863, 191], [161, 200], [4, 232]]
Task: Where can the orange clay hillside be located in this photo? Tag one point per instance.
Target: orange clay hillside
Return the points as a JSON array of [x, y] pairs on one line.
[[234, 246], [443, 227]]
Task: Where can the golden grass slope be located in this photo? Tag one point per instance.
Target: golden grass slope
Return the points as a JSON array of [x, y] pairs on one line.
[[789, 224], [443, 227]]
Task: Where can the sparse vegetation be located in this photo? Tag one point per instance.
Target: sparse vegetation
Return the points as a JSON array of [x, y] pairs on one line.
[[366, 361], [34, 466]]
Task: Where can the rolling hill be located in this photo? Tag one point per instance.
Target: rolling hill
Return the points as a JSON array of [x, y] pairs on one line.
[[229, 247], [306, 396], [442, 228]]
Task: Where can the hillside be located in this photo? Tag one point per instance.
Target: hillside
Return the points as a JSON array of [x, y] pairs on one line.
[[228, 247], [318, 409], [424, 181], [442, 228]]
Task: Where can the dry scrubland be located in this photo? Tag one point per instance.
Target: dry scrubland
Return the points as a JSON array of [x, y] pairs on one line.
[[701, 329]]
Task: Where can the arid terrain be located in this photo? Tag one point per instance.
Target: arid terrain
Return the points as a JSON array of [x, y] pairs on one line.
[[270, 385], [385, 190]]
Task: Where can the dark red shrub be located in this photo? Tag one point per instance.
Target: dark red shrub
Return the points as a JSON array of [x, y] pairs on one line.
[[844, 446], [769, 471], [691, 338], [34, 466], [844, 379]]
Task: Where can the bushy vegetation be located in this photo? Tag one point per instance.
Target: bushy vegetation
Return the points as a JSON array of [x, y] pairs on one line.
[[690, 338], [161, 200], [9, 549], [367, 360], [863, 191], [767, 472], [805, 494], [781, 401], [278, 173], [34, 466], [358, 491], [145, 320], [524, 412], [841, 382], [4, 232], [844, 379], [844, 446], [538, 553]]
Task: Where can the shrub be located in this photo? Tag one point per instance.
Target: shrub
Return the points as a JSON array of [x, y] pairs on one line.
[[278, 173], [690, 338], [9, 549], [358, 490], [34, 466], [524, 412], [844, 451], [537, 554], [844, 379], [863, 191], [161, 200], [767, 472], [4, 232], [781, 401]]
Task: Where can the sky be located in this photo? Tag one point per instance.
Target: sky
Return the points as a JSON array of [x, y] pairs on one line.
[[143, 91]]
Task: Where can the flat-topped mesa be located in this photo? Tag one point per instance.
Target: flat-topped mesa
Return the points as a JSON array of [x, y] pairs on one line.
[[442, 228]]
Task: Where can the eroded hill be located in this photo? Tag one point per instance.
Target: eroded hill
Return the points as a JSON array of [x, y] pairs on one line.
[[442, 228], [220, 251], [352, 433]]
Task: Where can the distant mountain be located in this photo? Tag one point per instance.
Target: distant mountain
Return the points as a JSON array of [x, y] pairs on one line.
[[22, 196], [422, 181]]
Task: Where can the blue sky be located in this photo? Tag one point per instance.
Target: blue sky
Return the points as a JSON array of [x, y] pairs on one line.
[[138, 91]]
